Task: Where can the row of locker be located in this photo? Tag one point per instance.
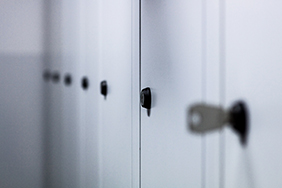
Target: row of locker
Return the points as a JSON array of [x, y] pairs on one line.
[[55, 77], [214, 117], [67, 79], [212, 52]]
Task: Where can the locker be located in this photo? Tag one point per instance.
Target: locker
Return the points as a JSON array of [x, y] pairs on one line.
[[74, 130], [71, 94], [53, 55], [115, 153], [92, 93], [252, 73], [172, 67], [213, 82]]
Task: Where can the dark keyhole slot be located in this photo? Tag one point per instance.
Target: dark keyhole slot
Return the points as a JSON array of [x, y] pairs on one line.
[[240, 120], [104, 88], [145, 99], [47, 75], [68, 79], [85, 83], [56, 77]]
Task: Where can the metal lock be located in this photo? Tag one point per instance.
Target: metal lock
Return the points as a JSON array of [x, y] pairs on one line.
[[56, 77], [146, 99], [68, 79], [204, 118], [85, 83], [47, 75], [104, 88]]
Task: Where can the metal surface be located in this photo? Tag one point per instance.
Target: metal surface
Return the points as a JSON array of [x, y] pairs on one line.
[[72, 96], [212, 83], [91, 69], [115, 112], [171, 65], [253, 73]]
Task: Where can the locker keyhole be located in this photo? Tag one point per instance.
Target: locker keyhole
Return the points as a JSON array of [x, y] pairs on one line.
[[239, 120], [56, 77], [146, 99], [85, 83], [68, 80], [104, 88]]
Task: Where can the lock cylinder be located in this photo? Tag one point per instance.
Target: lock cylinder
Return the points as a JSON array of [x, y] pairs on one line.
[[146, 99]]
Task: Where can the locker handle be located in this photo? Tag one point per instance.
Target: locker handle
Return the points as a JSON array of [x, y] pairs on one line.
[[84, 83], [47, 75], [56, 77], [104, 88], [68, 79], [146, 99]]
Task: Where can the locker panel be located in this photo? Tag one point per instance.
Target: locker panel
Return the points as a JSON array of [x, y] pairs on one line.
[[115, 114], [82, 92], [92, 94], [55, 131], [70, 131], [171, 65], [70, 95], [212, 84], [53, 54], [253, 45]]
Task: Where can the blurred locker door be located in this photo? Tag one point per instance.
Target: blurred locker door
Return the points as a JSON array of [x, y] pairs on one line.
[[171, 66], [92, 94], [212, 49], [54, 126], [71, 94], [253, 73], [115, 104]]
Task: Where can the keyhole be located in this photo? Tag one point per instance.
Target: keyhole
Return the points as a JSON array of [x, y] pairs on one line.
[[68, 80], [85, 83]]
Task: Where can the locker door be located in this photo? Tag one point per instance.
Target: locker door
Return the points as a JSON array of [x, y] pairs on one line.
[[115, 106], [92, 93], [171, 65], [71, 98], [253, 73], [54, 58], [212, 85]]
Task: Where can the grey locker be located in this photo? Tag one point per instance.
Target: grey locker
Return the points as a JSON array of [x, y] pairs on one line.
[[115, 156], [213, 81], [59, 135], [171, 65], [72, 113], [53, 60], [252, 73], [92, 95]]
